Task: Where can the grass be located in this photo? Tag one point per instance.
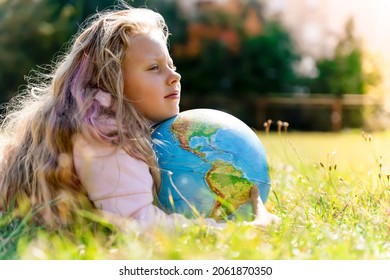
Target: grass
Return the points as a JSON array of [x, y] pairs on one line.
[[332, 192]]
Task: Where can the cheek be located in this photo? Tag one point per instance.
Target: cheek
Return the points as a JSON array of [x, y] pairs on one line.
[[136, 86], [130, 89], [129, 83]]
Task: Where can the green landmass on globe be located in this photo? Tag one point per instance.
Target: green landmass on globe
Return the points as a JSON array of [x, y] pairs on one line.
[[232, 190], [184, 130]]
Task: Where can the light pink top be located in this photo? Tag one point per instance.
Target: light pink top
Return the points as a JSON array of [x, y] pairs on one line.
[[120, 184]]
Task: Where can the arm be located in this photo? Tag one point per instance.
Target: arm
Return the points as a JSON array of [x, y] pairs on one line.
[[120, 184], [262, 217]]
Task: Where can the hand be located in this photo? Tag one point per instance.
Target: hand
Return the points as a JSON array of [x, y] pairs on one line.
[[263, 218]]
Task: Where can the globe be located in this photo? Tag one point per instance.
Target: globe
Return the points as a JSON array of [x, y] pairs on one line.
[[209, 162]]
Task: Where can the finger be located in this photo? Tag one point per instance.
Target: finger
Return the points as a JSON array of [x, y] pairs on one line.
[[255, 196]]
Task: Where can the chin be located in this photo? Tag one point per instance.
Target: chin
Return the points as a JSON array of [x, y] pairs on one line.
[[159, 120], [172, 115]]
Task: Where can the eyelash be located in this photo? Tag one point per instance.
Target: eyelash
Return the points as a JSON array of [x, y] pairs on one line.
[[156, 67]]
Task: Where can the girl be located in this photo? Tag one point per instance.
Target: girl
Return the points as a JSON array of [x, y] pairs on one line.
[[83, 133]]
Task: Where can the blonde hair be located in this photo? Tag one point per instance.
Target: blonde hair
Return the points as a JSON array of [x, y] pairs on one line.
[[36, 159]]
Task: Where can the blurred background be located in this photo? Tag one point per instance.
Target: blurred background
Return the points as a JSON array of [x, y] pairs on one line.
[[320, 65]]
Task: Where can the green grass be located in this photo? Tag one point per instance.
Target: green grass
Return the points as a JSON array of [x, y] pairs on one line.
[[332, 192]]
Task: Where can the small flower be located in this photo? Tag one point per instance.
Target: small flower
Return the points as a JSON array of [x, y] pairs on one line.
[[280, 124], [285, 125]]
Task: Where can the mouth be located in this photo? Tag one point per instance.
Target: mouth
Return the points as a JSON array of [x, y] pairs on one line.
[[173, 95]]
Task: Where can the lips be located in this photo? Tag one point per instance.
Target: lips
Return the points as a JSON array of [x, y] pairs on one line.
[[173, 95]]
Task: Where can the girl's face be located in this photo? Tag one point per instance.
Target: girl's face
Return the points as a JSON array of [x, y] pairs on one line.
[[151, 82]]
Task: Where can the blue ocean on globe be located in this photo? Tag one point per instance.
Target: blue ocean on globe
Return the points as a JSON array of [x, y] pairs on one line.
[[209, 162]]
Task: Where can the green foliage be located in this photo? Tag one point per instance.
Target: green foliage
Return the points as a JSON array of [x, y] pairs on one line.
[[13, 229], [263, 64], [344, 72], [32, 32], [266, 62]]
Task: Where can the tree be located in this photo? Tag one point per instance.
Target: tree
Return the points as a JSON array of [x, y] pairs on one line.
[[266, 62], [31, 33], [230, 61], [344, 73]]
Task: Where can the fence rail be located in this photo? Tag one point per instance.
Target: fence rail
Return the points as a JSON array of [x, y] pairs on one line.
[[322, 112]]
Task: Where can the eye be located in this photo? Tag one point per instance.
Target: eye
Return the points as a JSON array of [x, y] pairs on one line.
[[173, 67], [154, 67]]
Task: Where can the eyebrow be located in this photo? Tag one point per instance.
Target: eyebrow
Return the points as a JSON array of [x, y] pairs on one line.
[[159, 58]]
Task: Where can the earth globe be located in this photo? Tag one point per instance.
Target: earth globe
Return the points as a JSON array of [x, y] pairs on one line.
[[209, 162]]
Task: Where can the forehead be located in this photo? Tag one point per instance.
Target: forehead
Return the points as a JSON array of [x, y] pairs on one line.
[[148, 44]]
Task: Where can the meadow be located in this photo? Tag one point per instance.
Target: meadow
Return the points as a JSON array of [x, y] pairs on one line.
[[331, 190]]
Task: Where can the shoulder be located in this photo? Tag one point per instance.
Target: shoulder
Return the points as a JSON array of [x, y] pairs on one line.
[[105, 168], [88, 150], [84, 147]]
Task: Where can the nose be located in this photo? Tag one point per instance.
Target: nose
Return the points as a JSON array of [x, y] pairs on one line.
[[174, 78]]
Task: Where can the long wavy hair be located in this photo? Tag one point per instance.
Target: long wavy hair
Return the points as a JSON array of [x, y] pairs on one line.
[[36, 161]]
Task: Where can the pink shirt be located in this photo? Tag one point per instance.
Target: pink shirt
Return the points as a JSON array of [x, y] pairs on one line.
[[120, 184]]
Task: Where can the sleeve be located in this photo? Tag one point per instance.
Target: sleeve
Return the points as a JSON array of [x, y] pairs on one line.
[[120, 184]]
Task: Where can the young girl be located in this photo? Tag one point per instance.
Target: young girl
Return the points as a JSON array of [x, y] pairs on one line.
[[83, 133]]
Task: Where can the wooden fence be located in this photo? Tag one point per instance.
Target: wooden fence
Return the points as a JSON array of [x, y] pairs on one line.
[[313, 112]]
